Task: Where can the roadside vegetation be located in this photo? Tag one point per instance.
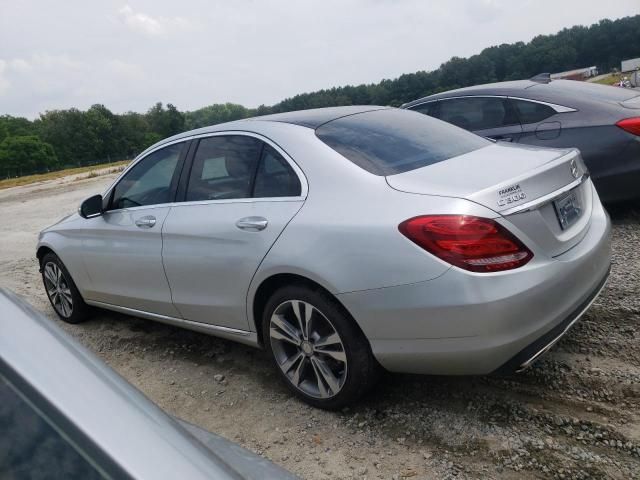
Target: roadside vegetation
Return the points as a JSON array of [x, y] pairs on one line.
[[92, 171], [609, 79], [61, 139]]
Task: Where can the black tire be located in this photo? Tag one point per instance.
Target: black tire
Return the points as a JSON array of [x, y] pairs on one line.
[[362, 370], [78, 311]]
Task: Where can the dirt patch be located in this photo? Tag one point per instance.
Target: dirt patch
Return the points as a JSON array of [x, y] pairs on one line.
[[576, 414]]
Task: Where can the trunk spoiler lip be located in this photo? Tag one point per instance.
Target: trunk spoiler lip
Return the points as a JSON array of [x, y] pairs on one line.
[[545, 199]]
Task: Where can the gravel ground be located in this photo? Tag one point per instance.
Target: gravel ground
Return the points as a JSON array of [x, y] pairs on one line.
[[575, 415]]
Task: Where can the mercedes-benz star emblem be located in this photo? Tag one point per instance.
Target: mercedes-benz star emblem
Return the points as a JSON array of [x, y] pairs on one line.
[[574, 168]]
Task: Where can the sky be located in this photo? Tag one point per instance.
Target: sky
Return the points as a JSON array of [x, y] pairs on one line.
[[129, 54]]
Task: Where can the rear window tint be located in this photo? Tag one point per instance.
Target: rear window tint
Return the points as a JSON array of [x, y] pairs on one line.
[[592, 91], [391, 141]]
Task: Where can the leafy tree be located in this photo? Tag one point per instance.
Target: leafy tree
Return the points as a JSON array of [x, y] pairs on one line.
[[62, 138], [165, 121], [26, 154]]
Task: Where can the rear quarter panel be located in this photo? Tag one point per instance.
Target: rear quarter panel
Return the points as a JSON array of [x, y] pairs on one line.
[[346, 235]]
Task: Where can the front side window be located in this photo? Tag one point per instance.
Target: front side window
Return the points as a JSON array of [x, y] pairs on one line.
[[391, 141], [149, 182], [477, 113], [30, 446], [532, 112]]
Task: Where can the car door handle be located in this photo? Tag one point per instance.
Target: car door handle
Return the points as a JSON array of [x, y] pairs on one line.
[[503, 138], [252, 224], [146, 222]]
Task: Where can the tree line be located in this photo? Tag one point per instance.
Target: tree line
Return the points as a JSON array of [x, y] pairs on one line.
[[63, 138]]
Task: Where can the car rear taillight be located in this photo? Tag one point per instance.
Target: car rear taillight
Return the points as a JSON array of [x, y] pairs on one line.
[[631, 125], [473, 243]]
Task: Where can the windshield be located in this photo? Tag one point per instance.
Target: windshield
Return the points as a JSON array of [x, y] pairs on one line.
[[391, 141]]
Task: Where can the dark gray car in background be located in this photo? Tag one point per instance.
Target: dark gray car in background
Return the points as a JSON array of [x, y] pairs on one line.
[[602, 121]]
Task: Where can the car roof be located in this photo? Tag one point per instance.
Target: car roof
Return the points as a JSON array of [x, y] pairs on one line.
[[315, 117], [122, 423], [500, 88], [311, 118], [550, 90]]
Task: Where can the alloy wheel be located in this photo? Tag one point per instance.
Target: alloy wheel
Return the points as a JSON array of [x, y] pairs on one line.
[[58, 289], [308, 349]]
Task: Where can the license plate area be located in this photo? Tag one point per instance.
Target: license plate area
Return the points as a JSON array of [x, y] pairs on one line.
[[568, 209]]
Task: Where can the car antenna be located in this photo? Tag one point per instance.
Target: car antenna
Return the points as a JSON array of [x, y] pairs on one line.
[[541, 78]]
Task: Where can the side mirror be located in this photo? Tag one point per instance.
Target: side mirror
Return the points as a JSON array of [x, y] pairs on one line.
[[91, 207]]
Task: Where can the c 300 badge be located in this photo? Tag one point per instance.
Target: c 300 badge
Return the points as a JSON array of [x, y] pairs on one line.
[[510, 195]]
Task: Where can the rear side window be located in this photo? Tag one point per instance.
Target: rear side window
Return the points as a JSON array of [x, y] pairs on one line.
[[275, 178], [239, 166], [477, 113], [391, 141], [532, 112], [223, 168]]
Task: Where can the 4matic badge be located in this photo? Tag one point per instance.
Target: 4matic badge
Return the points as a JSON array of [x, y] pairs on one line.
[[510, 194]]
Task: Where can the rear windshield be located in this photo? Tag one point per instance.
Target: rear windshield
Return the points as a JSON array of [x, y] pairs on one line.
[[592, 91], [391, 141]]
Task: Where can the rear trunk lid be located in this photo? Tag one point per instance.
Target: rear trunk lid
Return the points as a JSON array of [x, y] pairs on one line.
[[542, 192], [633, 103]]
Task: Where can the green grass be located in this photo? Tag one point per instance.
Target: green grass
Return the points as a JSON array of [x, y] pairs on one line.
[[610, 80], [40, 177]]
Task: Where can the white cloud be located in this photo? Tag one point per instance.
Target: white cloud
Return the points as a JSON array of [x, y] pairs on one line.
[[129, 54], [152, 26], [4, 82], [19, 65]]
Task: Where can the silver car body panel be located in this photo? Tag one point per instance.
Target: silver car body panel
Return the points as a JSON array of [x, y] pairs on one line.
[[122, 423], [241, 336], [124, 261], [342, 234], [466, 323]]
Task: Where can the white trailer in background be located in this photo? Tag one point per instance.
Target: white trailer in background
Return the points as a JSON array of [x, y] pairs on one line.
[[630, 65], [577, 74]]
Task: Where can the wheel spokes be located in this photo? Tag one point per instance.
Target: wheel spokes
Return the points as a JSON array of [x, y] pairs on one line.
[[308, 349], [338, 355], [321, 388], [58, 289], [297, 375], [327, 375], [290, 362], [284, 331], [50, 275], [303, 312], [66, 293]]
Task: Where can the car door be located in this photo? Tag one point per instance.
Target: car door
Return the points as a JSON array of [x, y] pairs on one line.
[[491, 117], [240, 194], [122, 248]]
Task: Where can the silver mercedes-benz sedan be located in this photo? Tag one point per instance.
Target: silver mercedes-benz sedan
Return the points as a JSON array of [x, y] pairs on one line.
[[342, 240]]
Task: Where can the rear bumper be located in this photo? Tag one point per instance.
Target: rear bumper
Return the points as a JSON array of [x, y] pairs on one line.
[[462, 323], [618, 175], [537, 349]]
